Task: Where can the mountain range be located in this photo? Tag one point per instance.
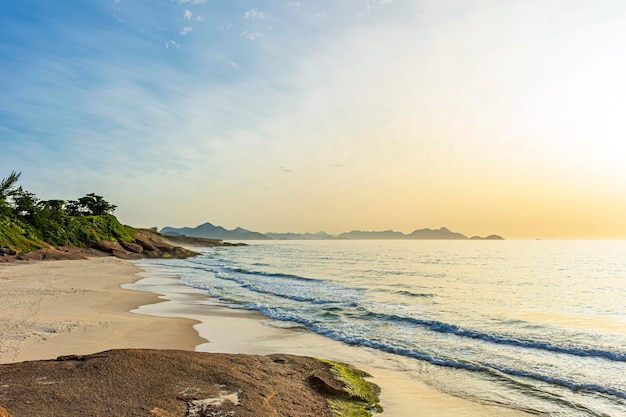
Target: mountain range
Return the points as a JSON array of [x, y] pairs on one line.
[[207, 230]]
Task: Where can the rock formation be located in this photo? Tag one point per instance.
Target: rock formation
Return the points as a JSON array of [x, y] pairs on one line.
[[168, 383]]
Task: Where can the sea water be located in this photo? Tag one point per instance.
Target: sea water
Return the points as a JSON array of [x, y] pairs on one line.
[[538, 326]]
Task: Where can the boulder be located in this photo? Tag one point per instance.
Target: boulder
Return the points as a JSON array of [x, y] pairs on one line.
[[132, 247], [36, 255], [145, 242], [108, 246], [9, 251], [58, 255]]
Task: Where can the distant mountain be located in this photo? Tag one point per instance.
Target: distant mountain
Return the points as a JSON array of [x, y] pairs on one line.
[[442, 233], [207, 230], [490, 237], [360, 235], [301, 236]]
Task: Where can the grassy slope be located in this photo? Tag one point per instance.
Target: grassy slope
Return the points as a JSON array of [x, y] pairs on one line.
[[78, 231]]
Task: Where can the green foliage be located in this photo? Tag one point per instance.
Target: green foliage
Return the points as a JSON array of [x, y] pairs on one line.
[[90, 205], [26, 222], [25, 203], [16, 234], [97, 228], [363, 395], [6, 189]]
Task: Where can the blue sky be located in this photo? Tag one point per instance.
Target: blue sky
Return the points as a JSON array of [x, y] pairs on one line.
[[484, 116]]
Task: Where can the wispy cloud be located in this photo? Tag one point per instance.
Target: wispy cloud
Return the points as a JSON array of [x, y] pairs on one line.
[[187, 15], [250, 35], [171, 43], [254, 14], [191, 1], [294, 3], [184, 31]]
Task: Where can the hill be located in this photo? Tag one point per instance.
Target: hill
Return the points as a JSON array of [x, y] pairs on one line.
[[207, 230], [33, 229]]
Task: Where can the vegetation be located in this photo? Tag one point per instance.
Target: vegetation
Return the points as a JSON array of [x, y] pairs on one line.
[[362, 395], [27, 223]]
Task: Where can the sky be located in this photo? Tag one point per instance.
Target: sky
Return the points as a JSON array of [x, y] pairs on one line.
[[483, 116]]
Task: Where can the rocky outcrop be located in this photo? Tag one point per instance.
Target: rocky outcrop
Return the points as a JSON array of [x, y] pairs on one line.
[[147, 244], [8, 251], [56, 254], [132, 247], [168, 383]]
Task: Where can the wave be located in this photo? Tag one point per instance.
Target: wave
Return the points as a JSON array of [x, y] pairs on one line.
[[334, 294], [441, 327], [325, 293], [271, 274], [330, 294], [495, 370], [414, 294]]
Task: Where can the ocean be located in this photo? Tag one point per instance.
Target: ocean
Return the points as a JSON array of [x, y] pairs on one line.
[[537, 326]]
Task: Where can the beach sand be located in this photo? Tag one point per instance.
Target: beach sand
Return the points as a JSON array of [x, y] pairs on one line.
[[56, 308], [59, 308]]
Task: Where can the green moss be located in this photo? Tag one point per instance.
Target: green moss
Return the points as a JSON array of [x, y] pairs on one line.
[[363, 395], [346, 408]]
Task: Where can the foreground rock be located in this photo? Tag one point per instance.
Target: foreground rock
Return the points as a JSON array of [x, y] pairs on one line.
[[168, 383]]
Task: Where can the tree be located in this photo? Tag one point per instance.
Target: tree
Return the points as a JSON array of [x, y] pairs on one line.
[[25, 203], [6, 189], [89, 205]]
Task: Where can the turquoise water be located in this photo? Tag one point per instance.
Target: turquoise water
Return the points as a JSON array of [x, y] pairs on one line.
[[538, 326]]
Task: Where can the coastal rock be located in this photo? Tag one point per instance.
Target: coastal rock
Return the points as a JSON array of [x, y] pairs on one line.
[[147, 244], [153, 242], [144, 240], [324, 381], [133, 247], [9, 251], [108, 246], [36, 255], [168, 383], [53, 254]]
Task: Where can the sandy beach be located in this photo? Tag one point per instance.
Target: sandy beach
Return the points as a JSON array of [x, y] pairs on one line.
[[50, 309], [81, 307]]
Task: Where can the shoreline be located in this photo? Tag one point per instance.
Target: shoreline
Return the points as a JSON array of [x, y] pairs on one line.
[[240, 331], [51, 310]]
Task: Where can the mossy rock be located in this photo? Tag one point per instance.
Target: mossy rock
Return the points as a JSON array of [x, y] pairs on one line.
[[350, 394]]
